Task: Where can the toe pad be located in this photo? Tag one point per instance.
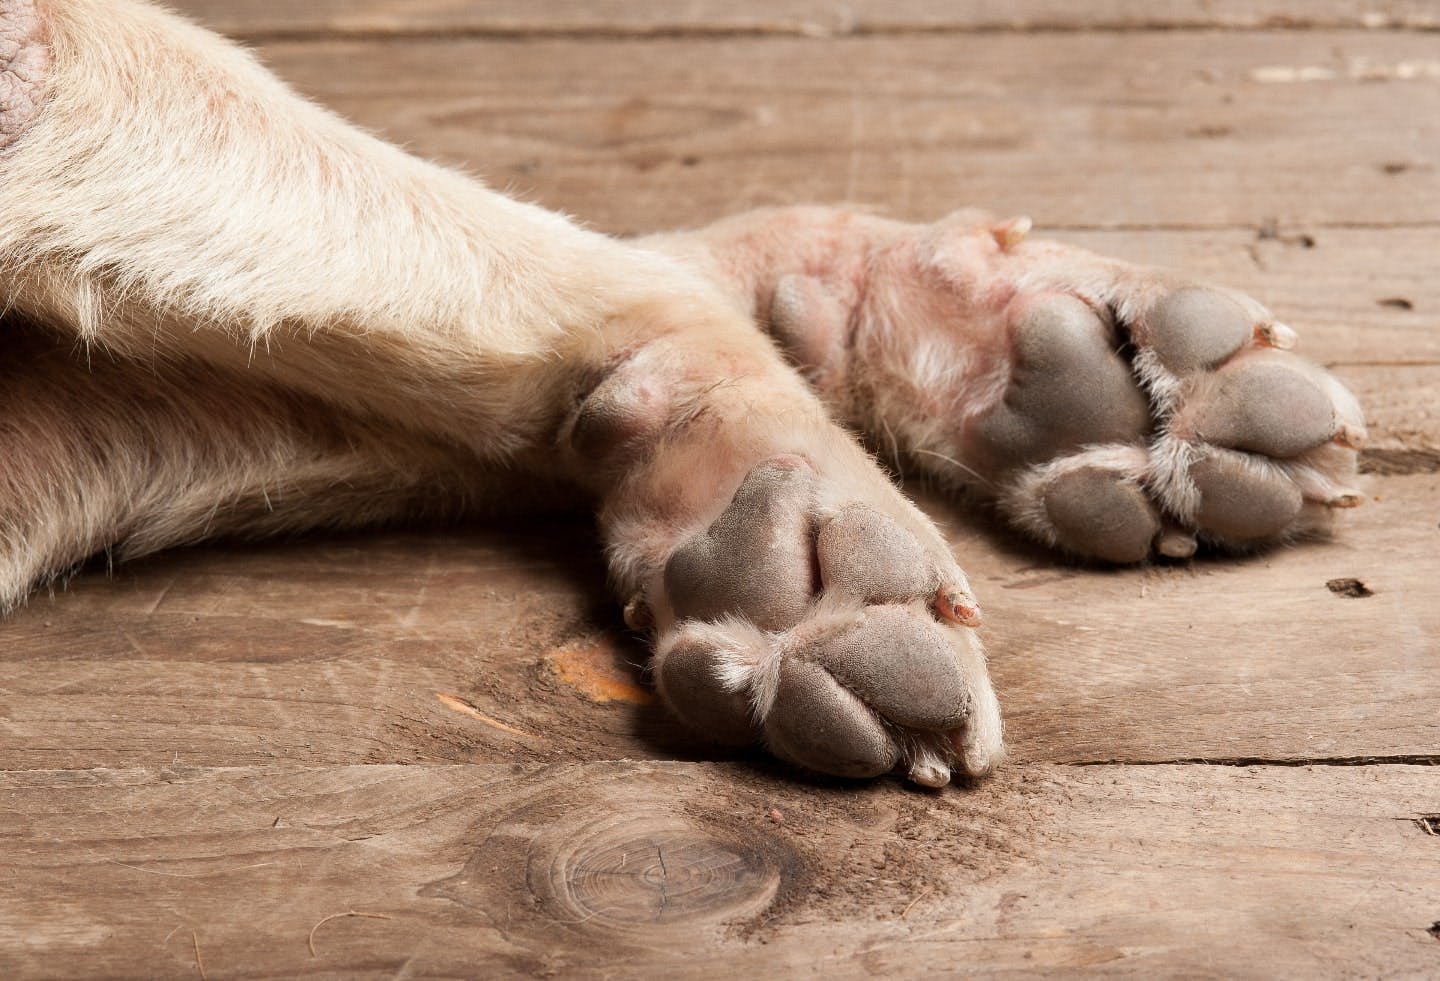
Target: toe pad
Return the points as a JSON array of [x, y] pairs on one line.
[[1196, 328], [1097, 513], [1241, 502], [687, 675], [825, 726], [1266, 405], [868, 556], [901, 664]]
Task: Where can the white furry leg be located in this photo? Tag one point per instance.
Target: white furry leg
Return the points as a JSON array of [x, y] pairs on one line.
[[128, 459], [172, 199]]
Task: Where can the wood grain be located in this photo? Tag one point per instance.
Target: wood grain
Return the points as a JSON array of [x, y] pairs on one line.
[[361, 757], [1176, 130], [808, 18], [687, 871]]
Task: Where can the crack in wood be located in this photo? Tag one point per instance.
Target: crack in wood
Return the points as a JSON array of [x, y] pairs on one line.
[[1406, 759], [1400, 462], [799, 30]]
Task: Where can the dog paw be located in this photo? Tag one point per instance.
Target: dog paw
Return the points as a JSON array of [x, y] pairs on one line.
[[1114, 412], [828, 627], [1187, 420]]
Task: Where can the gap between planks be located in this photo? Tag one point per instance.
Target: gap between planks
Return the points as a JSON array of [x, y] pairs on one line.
[[1413, 759], [422, 20], [423, 35]]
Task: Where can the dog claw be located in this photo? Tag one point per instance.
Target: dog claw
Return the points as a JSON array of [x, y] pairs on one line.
[[1350, 437], [1011, 233], [637, 614], [1176, 543], [928, 771], [1276, 335], [956, 606], [1346, 499]]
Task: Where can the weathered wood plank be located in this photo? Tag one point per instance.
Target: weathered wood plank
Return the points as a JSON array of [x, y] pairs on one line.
[[686, 870], [478, 657], [1357, 296], [337, 654], [809, 18], [329, 652], [1177, 129]]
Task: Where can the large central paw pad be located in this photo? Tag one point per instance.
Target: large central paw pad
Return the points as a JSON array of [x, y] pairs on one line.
[[1177, 416], [828, 631]]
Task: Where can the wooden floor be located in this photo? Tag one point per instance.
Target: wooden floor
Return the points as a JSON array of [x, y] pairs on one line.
[[427, 754]]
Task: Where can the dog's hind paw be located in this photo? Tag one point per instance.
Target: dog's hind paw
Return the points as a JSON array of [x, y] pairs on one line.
[[1185, 420], [1113, 411]]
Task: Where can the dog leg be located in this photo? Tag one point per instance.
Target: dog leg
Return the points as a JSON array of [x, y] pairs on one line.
[[171, 201], [106, 454], [1113, 411]]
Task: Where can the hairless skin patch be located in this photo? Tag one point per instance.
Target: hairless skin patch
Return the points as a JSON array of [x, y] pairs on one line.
[[24, 58]]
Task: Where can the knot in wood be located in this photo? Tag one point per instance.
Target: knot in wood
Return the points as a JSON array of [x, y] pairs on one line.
[[648, 872]]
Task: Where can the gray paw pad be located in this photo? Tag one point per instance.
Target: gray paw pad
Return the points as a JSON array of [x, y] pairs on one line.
[[867, 555], [1241, 503], [820, 724], [901, 665], [1196, 328], [1068, 387], [1095, 512], [1266, 406], [1091, 441], [687, 679], [621, 415], [756, 559]]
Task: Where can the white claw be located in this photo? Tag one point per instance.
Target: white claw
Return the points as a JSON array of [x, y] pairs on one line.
[[956, 605], [1276, 335], [1346, 499], [929, 770], [1176, 544], [1011, 233], [1350, 437]]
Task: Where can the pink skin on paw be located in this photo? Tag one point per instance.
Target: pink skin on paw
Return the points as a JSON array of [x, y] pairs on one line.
[[24, 60]]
